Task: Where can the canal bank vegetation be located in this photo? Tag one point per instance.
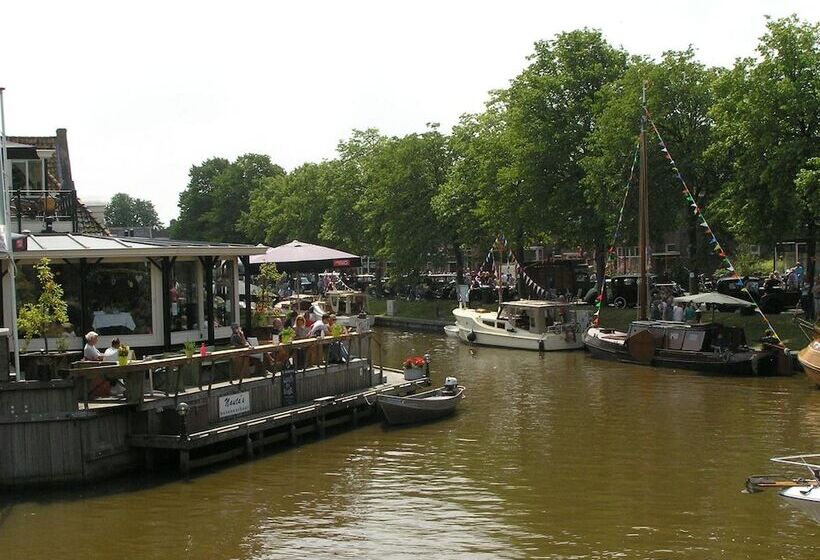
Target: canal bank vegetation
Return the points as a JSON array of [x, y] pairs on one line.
[[546, 162]]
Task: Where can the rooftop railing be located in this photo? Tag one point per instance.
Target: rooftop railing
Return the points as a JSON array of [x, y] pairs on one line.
[[43, 204]]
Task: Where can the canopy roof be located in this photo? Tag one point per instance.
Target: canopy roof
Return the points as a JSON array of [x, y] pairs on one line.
[[714, 298], [298, 256], [21, 151], [72, 246]]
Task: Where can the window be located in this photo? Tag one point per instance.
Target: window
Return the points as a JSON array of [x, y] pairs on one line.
[[119, 298], [28, 174], [28, 291], [223, 294], [184, 297]]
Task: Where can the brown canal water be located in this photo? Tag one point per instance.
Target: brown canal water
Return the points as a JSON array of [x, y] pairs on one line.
[[559, 456]]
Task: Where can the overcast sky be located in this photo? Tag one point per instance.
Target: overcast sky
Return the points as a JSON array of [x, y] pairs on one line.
[[148, 90]]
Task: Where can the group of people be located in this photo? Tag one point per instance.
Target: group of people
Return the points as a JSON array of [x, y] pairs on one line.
[[664, 308], [102, 387]]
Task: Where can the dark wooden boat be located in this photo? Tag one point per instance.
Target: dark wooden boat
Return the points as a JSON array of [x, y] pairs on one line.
[[421, 407], [706, 347]]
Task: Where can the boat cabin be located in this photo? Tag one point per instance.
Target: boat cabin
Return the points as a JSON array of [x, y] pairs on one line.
[[299, 303], [533, 315], [702, 337], [346, 302]]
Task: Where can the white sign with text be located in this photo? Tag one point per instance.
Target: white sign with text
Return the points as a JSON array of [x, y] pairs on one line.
[[231, 405]]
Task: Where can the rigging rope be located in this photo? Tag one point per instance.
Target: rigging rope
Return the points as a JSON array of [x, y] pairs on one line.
[[717, 248]]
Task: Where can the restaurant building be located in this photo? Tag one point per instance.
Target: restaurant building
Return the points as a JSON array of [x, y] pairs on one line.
[[149, 293]]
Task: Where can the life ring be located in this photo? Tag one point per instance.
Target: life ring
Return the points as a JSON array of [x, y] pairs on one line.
[[471, 337]]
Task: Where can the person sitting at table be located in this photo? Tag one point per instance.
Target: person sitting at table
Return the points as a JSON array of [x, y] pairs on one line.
[[240, 363], [112, 352], [90, 351], [290, 322], [320, 327], [277, 326]]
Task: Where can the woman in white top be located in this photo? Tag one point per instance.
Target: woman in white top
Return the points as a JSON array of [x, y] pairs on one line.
[[90, 351]]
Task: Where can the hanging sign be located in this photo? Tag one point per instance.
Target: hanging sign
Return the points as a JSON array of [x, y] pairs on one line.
[[341, 263], [231, 405]]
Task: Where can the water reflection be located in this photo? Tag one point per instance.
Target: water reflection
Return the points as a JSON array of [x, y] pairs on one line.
[[554, 456]]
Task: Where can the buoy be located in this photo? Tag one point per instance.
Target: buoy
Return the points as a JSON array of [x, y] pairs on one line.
[[471, 337]]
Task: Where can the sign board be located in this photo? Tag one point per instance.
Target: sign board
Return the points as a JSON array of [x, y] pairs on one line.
[[231, 405], [288, 387], [341, 263]]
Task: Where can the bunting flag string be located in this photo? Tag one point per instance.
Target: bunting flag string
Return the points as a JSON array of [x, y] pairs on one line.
[[717, 248], [611, 254], [532, 284]]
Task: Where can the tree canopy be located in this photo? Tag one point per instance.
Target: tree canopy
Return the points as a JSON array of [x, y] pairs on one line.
[[548, 159], [125, 210]]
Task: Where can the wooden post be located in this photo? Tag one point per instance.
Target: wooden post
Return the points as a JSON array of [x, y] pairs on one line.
[[246, 262], [208, 263], [166, 303], [83, 300]]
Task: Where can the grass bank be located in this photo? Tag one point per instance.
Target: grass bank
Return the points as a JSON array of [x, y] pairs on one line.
[[424, 309]]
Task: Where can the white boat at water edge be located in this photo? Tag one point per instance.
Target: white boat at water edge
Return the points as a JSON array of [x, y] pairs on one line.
[[806, 497], [525, 324]]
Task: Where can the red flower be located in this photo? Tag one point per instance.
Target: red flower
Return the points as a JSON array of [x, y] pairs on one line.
[[414, 362]]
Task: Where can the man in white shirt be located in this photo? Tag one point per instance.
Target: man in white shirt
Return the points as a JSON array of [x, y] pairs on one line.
[[319, 328], [677, 312]]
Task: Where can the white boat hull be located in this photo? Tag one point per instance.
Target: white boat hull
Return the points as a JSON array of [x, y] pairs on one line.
[[804, 498], [471, 326]]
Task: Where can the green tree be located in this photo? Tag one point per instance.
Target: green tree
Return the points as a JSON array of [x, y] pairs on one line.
[[767, 118], [217, 194], [679, 96], [127, 211], [46, 317]]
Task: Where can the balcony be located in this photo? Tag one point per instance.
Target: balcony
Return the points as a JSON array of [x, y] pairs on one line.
[[44, 211]]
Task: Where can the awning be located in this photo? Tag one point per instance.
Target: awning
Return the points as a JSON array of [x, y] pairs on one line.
[[21, 151], [714, 298], [298, 256]]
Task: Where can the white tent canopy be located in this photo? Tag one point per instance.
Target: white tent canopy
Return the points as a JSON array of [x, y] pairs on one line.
[[714, 298]]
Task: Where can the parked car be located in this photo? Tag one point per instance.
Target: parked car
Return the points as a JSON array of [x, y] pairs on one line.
[[771, 296], [622, 290]]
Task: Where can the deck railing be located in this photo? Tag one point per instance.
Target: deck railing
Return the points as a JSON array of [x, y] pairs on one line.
[[41, 204], [171, 376]]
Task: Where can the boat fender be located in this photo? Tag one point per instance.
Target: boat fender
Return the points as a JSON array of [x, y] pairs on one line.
[[541, 345], [471, 337]]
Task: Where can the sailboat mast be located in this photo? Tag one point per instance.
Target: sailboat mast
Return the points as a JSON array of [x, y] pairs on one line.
[[643, 218]]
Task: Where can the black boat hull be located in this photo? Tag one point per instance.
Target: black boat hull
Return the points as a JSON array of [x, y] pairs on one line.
[[747, 363]]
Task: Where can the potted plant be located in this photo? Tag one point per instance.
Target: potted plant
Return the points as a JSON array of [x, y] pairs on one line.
[[287, 334], [44, 318], [190, 348], [414, 367], [122, 354], [337, 330]]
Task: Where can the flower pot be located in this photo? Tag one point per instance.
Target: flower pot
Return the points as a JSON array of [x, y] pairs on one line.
[[413, 373]]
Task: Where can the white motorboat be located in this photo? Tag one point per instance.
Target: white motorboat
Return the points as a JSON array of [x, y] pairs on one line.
[[525, 324], [801, 493], [349, 307]]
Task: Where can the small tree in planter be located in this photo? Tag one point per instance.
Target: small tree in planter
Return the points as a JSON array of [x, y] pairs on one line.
[[267, 278], [48, 315]]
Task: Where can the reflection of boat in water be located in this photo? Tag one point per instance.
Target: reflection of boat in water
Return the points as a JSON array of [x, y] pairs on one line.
[[429, 405], [707, 347], [801, 493], [525, 324]]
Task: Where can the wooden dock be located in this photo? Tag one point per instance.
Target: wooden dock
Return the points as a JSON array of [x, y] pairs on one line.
[[190, 412]]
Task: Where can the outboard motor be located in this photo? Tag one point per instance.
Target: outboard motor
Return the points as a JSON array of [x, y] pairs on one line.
[[450, 386]]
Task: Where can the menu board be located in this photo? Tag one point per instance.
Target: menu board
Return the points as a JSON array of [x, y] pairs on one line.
[[288, 387]]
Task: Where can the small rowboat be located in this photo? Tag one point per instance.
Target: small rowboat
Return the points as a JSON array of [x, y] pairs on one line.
[[802, 493], [421, 407]]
